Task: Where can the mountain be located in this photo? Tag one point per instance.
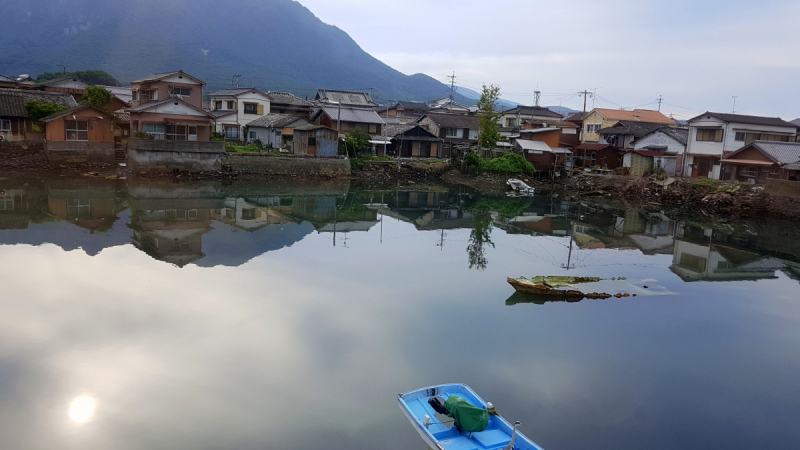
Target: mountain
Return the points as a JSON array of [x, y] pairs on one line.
[[563, 110], [474, 96], [273, 44]]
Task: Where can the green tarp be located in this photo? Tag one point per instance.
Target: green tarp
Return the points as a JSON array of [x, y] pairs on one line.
[[468, 418]]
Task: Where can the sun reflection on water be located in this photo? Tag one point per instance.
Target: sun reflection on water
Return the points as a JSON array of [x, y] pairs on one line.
[[82, 408]]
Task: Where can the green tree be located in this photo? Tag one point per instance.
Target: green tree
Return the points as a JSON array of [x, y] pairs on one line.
[[488, 116], [357, 141], [479, 237], [96, 96], [37, 110]]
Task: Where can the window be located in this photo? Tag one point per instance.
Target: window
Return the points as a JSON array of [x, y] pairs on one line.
[[77, 130], [253, 135], [180, 91], [231, 132], [154, 129], [709, 134], [693, 262], [774, 171], [373, 128], [5, 125], [511, 122], [452, 132], [218, 104], [135, 96], [312, 141], [231, 104], [249, 214], [149, 95], [177, 132], [747, 138], [593, 127], [191, 214], [251, 108]]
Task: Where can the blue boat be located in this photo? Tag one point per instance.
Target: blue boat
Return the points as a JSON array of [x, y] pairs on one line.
[[441, 433]]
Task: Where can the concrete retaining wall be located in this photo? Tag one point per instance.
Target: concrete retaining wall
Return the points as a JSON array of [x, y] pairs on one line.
[[158, 155], [76, 152], [783, 188], [16, 149], [287, 165]]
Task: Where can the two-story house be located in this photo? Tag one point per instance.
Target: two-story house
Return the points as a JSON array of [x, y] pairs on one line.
[[455, 129], [600, 118], [169, 106], [235, 108], [715, 135], [515, 117]]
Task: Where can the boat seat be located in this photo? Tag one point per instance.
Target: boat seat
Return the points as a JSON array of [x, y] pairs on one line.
[[492, 438], [459, 443]]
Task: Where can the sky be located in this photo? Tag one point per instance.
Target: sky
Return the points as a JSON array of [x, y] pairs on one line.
[[697, 55]]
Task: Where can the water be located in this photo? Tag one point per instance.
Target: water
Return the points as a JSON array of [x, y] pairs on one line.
[[202, 316]]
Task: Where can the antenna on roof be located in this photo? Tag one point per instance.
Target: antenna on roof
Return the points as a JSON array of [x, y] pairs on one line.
[[63, 68], [734, 104], [536, 95], [235, 80]]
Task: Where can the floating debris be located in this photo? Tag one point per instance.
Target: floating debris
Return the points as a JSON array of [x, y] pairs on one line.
[[549, 286]]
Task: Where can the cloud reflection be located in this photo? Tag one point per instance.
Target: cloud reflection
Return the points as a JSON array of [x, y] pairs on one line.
[[81, 410]]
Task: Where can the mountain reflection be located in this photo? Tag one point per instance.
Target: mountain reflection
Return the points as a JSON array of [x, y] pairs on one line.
[[209, 224]]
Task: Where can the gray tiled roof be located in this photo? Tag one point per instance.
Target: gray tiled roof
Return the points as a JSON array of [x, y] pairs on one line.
[[741, 118], [782, 152], [534, 111], [159, 76], [796, 122], [221, 112], [232, 92], [287, 98], [278, 121], [352, 98], [414, 105], [455, 120], [679, 134], [350, 114], [12, 101], [7, 79]]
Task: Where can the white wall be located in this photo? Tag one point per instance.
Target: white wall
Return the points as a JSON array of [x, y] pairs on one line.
[[659, 138], [729, 142], [250, 97]]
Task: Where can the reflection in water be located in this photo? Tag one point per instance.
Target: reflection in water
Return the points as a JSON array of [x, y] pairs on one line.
[[232, 316], [82, 409]]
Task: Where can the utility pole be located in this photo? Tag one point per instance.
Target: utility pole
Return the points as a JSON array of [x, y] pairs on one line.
[[659, 100], [585, 94], [452, 84], [734, 104], [536, 95]]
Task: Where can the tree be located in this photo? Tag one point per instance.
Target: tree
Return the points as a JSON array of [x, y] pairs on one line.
[[37, 111], [358, 141], [488, 116], [479, 237], [97, 97]]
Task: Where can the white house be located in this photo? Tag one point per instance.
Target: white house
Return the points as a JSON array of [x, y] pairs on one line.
[[714, 135], [671, 142], [248, 103]]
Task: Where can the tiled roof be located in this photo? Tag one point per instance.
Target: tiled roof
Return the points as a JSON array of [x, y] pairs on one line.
[[7, 79], [233, 92], [454, 120], [12, 101], [122, 116], [287, 98], [350, 114], [796, 122], [533, 145], [59, 80], [679, 134], [159, 76], [638, 129], [741, 118], [312, 127], [554, 123], [72, 110], [534, 111], [352, 98], [578, 116], [637, 115], [652, 153], [277, 121], [216, 113], [394, 129], [147, 106], [781, 152], [414, 105]]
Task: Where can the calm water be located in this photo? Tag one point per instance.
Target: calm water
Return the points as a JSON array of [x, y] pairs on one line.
[[159, 315]]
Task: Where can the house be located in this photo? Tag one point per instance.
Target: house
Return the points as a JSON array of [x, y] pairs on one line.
[[576, 118], [275, 130], [570, 132], [248, 103], [603, 155], [15, 125], [625, 132], [412, 140], [169, 106], [344, 98], [759, 161], [454, 129], [315, 140], [600, 118], [715, 135], [447, 105], [347, 118], [668, 140], [78, 135], [542, 156], [66, 85], [550, 135], [642, 162], [7, 82], [404, 109], [515, 117], [693, 261], [286, 103]]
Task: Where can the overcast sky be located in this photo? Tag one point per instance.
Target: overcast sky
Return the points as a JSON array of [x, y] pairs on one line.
[[696, 54]]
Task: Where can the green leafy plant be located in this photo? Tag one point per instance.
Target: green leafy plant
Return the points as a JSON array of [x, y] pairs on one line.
[[141, 135], [357, 141], [509, 164], [37, 110], [96, 97]]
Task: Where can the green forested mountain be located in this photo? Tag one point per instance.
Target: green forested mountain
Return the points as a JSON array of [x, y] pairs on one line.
[[273, 44]]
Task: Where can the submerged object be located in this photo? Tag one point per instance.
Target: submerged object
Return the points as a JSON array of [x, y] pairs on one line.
[[519, 186], [498, 434], [550, 286]]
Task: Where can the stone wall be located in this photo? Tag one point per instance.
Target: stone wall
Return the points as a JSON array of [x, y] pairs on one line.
[[286, 165], [18, 149], [784, 188], [78, 152], [163, 155]]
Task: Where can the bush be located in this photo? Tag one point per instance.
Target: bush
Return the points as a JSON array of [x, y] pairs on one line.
[[36, 110], [508, 164], [141, 135]]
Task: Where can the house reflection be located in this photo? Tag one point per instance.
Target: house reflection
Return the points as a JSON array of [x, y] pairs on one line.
[[253, 213], [18, 206], [88, 203]]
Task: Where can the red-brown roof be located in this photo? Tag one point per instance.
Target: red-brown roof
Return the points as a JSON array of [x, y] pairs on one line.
[[638, 115], [592, 147]]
